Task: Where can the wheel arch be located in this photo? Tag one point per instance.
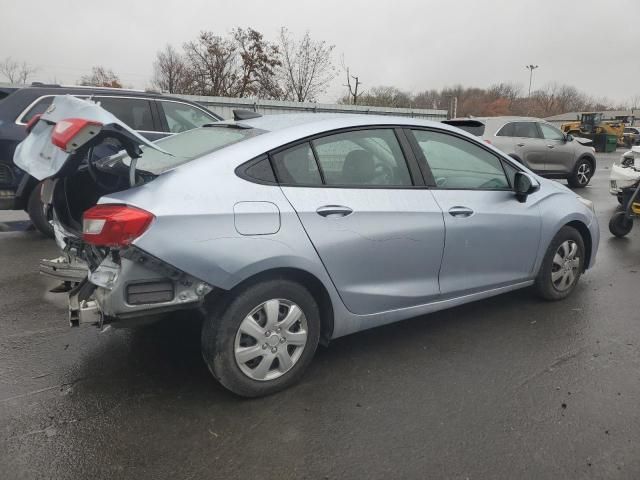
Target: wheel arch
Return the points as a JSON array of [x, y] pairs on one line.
[[584, 232], [591, 159], [309, 281]]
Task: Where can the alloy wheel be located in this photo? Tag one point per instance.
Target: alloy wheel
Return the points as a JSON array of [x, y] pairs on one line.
[[566, 263], [271, 339], [584, 173]]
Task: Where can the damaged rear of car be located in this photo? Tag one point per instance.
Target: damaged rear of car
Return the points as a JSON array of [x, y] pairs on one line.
[[84, 153]]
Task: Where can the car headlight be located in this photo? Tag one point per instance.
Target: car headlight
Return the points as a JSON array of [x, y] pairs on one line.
[[587, 203]]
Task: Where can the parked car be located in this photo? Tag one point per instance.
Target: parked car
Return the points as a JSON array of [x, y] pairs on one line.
[[631, 136], [537, 144], [290, 230], [153, 115]]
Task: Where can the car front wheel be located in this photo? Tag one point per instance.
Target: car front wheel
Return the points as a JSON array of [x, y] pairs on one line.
[[582, 173], [260, 340], [562, 265], [619, 224]]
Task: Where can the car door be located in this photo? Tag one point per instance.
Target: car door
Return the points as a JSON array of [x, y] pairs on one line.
[[491, 238], [560, 153], [529, 145], [379, 235]]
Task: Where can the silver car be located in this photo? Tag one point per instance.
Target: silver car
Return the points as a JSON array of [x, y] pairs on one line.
[[540, 146], [292, 230]]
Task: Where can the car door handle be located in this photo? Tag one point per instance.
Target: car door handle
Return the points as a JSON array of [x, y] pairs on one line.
[[334, 211], [520, 144], [550, 146], [460, 212]]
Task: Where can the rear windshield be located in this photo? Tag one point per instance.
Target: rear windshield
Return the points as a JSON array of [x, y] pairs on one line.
[[185, 147], [474, 127]]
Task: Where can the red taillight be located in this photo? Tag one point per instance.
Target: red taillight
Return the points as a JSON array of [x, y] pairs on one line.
[[72, 133], [32, 123], [114, 225]]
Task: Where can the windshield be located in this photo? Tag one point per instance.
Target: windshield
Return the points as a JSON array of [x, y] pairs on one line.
[[185, 147]]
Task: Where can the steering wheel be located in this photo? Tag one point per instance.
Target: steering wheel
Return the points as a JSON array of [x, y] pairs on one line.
[[97, 176]]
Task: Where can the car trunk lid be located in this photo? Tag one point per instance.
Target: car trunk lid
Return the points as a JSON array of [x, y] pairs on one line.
[[38, 156]]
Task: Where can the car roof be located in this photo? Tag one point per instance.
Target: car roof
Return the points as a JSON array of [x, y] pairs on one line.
[[330, 121], [497, 119], [279, 130], [17, 101], [80, 89]]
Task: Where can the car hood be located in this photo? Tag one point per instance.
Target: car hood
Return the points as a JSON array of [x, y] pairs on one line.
[[40, 158], [583, 141]]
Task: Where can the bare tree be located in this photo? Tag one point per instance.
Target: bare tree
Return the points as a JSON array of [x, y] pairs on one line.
[[633, 103], [428, 99], [242, 65], [16, 72], [259, 60], [307, 68], [101, 77], [353, 94], [212, 63], [387, 97], [170, 72]]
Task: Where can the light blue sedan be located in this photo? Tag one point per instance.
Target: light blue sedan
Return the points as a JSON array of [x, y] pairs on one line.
[[291, 230]]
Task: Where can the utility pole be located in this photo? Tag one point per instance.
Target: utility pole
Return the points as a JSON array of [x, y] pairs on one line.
[[531, 68], [452, 111]]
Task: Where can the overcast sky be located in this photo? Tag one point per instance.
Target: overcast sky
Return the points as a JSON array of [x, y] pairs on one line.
[[412, 44]]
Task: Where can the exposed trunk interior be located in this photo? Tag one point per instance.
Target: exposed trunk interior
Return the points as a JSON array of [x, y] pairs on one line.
[[76, 193]]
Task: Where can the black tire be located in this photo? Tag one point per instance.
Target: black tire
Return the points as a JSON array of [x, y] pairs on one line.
[[223, 321], [544, 284], [37, 213], [620, 225], [582, 173]]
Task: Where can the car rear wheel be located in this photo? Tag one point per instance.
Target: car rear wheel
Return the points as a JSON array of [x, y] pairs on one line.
[[260, 340], [582, 173], [38, 213], [562, 265]]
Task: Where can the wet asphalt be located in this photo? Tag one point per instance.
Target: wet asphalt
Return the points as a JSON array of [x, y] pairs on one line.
[[510, 387]]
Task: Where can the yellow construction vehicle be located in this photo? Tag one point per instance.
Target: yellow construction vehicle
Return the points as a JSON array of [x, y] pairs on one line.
[[606, 135]]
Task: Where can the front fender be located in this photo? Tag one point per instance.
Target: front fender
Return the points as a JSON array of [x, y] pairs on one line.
[[555, 216]]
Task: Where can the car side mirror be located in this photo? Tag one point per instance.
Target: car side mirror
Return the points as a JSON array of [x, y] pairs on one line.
[[568, 138], [524, 185]]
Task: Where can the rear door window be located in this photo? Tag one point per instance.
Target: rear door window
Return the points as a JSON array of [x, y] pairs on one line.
[[182, 116], [507, 130], [37, 108], [362, 158], [135, 112], [525, 130]]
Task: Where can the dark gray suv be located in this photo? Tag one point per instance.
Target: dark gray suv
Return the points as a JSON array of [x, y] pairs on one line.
[[537, 144], [151, 114]]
